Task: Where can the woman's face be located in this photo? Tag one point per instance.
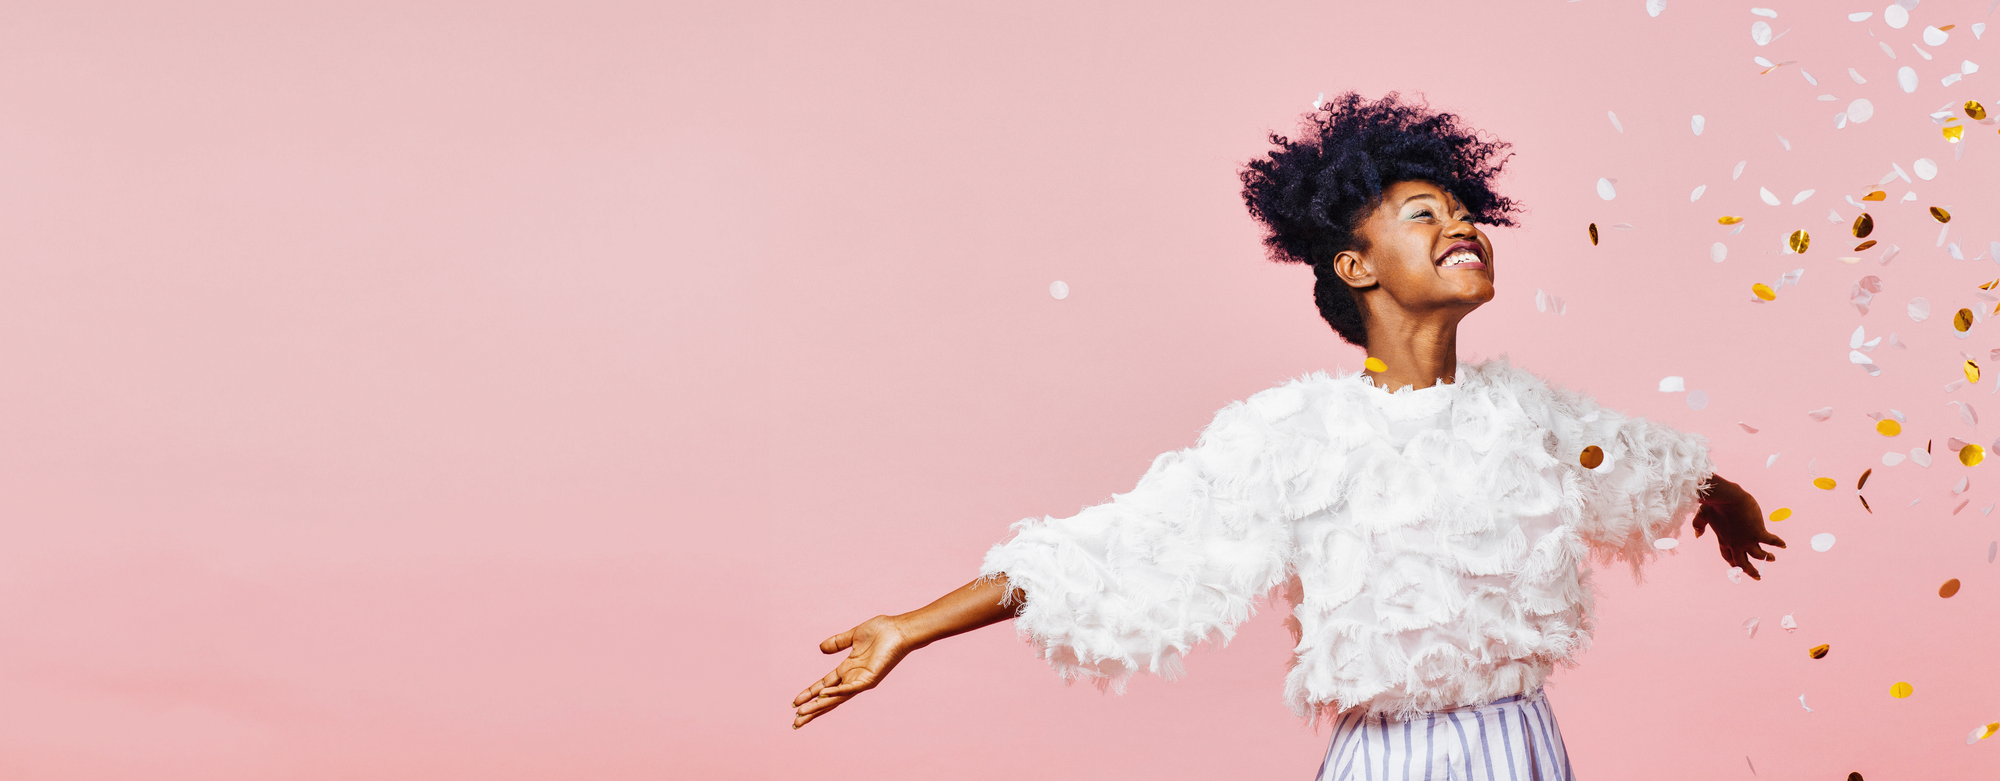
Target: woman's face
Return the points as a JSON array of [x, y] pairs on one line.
[[1422, 253]]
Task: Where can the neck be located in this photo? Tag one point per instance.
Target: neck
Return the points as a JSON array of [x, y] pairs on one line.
[[1417, 351]]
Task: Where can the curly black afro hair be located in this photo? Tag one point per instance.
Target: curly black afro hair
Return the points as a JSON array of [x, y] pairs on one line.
[[1312, 192]]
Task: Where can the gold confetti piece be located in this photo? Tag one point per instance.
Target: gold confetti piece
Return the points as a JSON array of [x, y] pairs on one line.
[[1819, 651], [1946, 28], [1728, 219], [1781, 514], [1824, 483], [1989, 285], [1799, 241], [1990, 729], [1878, 195], [1863, 225], [1592, 456], [1940, 215], [1375, 364], [1858, 484], [1962, 321], [1949, 588], [1954, 132], [1593, 234], [1765, 292], [1864, 505], [1902, 689], [1971, 455], [1974, 110], [1888, 427], [1864, 245], [1971, 372]]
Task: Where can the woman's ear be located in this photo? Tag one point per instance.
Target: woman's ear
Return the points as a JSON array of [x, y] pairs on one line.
[[1353, 269]]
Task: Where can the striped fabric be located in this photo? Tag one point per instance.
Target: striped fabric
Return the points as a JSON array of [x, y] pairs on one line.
[[1510, 739]]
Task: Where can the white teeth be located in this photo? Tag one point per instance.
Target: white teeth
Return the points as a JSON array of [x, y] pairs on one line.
[[1461, 256]]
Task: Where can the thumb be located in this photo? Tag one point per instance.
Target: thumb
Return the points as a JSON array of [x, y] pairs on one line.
[[1700, 525], [837, 643]]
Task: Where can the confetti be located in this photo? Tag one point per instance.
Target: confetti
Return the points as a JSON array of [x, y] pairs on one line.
[[1059, 289], [1858, 484], [1967, 68], [1593, 234], [1746, 427], [1654, 7], [1860, 110], [1888, 428], [1614, 121], [1901, 689], [1886, 49], [1906, 77], [1799, 241], [1592, 456], [1954, 133], [1750, 627], [1863, 225], [1824, 483], [1787, 623], [1718, 251], [1940, 214], [1820, 414], [1739, 169], [1920, 309], [1971, 455], [1971, 372], [1864, 245], [1934, 36], [1822, 542], [1605, 189], [1728, 219], [1962, 321], [1764, 291], [1697, 399], [1819, 651], [1780, 514], [1781, 140], [1802, 196], [1949, 589], [1896, 16], [1768, 197], [1926, 168], [1877, 195], [1696, 195], [1892, 459], [1974, 110], [1672, 384], [1980, 733], [1666, 543], [1802, 704], [1920, 457], [1698, 122], [1861, 16], [1375, 364], [1735, 574], [1760, 31]]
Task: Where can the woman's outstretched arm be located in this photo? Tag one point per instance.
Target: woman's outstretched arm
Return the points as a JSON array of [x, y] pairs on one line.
[[874, 647]]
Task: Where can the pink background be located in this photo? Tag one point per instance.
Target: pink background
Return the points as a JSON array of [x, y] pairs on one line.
[[520, 391]]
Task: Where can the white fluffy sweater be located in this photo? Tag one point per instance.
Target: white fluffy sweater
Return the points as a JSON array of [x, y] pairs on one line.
[[1432, 543]]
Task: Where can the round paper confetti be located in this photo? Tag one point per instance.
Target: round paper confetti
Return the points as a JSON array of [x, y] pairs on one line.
[[1059, 289], [1375, 364], [1940, 214], [1934, 36], [1697, 123], [1860, 110], [1963, 320], [1760, 31], [1799, 241], [1822, 542], [1591, 457], [1902, 689], [1949, 589], [1666, 543], [1697, 399], [1605, 189], [1765, 292], [1888, 427], [1907, 78], [1971, 455], [1926, 168], [1896, 16], [1819, 651], [1954, 133], [1718, 251], [1863, 225], [1781, 514], [1824, 483]]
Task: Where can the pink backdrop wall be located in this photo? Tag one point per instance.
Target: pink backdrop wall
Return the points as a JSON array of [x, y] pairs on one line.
[[506, 390]]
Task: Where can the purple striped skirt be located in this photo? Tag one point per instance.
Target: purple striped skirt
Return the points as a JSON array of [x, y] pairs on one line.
[[1510, 739]]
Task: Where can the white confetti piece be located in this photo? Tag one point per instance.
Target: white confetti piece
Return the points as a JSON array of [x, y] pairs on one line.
[[1934, 36], [1992, 548], [1787, 623], [1834, 216], [1696, 195], [1856, 76], [1317, 102], [1666, 543], [1614, 121], [1697, 399], [1889, 254], [1746, 427], [1963, 483], [1820, 414], [1822, 542], [1977, 733], [1760, 31], [1761, 62], [1739, 169], [1605, 189], [1059, 289], [1840, 121], [1908, 196], [1654, 7], [1765, 12], [1750, 628], [1802, 196], [1541, 300], [1920, 457], [1857, 356], [1781, 140], [1978, 29], [1895, 342], [1920, 51], [1886, 49], [1950, 79], [1906, 77], [1925, 167], [1943, 230], [1621, 226], [1772, 460], [1860, 16], [1718, 251], [1900, 173], [1767, 196], [1802, 703], [1735, 574], [1955, 253], [1672, 385], [1967, 413], [1968, 67], [1896, 16], [1892, 459], [1809, 77], [1860, 110], [1697, 122]]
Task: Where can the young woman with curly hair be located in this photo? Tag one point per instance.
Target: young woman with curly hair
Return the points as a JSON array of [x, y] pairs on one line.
[[1430, 521]]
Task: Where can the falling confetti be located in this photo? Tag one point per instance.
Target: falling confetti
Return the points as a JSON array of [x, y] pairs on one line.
[[1926, 168], [1896, 16], [1750, 627], [1614, 118], [1697, 123], [1728, 219], [1799, 241], [1666, 543], [1593, 234], [1592, 456], [1859, 484], [1768, 196], [1672, 384], [1940, 214], [1718, 251], [1781, 514], [1697, 399], [1606, 189], [1949, 589], [1861, 110], [1974, 110], [1962, 321], [1825, 483], [1971, 372], [1819, 651], [1764, 291], [1787, 623], [1822, 542], [1888, 428], [1696, 195], [1863, 225], [1901, 689], [1375, 364], [1059, 289]]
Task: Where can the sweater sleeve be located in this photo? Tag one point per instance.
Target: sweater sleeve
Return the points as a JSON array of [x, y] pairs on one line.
[[1648, 484], [1135, 583]]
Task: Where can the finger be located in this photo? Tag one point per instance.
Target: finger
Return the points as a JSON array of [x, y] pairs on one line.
[[1700, 525], [1771, 539], [1761, 554], [814, 690], [821, 704], [837, 643], [850, 688], [1750, 569]]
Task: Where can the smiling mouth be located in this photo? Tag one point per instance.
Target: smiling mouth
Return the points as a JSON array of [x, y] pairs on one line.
[[1462, 257]]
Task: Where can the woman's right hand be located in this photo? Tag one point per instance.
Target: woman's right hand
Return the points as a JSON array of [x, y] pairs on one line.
[[873, 649]]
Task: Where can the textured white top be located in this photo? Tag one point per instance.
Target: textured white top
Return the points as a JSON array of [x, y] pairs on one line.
[[1432, 543]]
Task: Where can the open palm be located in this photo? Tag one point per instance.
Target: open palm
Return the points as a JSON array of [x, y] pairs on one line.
[[873, 649]]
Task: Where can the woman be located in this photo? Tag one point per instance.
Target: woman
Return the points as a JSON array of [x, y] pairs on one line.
[[1429, 520]]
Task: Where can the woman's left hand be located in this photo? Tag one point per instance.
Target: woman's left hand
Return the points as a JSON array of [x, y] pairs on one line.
[[1738, 524]]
